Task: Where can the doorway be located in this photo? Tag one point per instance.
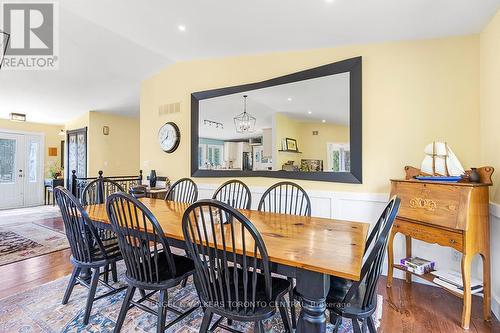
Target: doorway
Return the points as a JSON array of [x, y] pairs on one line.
[[21, 169]]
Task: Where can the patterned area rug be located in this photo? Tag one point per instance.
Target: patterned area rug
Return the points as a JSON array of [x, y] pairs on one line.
[[28, 215], [28, 240], [40, 310]]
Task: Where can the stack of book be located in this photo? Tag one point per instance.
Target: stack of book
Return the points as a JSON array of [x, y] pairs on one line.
[[452, 280], [418, 265]]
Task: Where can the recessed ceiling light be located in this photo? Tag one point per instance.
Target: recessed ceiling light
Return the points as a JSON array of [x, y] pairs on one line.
[[323, 121], [181, 27], [289, 99], [309, 112]]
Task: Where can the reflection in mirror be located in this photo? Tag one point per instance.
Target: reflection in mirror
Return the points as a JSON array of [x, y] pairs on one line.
[[298, 126]]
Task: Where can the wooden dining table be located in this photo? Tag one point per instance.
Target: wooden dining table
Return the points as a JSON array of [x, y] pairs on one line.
[[309, 249]]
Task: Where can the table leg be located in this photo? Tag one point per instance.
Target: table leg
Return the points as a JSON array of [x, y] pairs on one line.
[[466, 275], [408, 254], [486, 285], [313, 288], [390, 258]]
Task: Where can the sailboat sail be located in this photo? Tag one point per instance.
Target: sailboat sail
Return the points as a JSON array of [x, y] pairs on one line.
[[440, 160]]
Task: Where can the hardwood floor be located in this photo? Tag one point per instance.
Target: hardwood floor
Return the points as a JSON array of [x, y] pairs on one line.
[[407, 308]]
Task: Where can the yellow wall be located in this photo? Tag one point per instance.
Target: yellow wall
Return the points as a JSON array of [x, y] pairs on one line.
[[490, 100], [285, 127], [311, 146], [314, 146], [116, 154], [414, 92], [52, 138]]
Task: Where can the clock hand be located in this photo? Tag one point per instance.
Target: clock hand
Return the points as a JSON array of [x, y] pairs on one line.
[[166, 137]]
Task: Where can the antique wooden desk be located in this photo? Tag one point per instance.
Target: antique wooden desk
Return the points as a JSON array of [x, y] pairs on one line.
[[449, 214], [307, 248]]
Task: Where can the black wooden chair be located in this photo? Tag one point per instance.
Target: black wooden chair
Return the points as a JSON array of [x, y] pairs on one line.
[[151, 266], [235, 193], [89, 251], [183, 190], [286, 198], [138, 191], [94, 193], [233, 286], [356, 299], [98, 190]]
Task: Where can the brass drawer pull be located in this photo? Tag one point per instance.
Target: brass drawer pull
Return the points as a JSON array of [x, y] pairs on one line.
[[452, 241], [422, 203]]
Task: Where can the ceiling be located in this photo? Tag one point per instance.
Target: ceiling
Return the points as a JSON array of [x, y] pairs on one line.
[[315, 100], [108, 46]]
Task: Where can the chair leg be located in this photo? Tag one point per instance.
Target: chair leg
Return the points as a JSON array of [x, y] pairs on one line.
[[162, 311], [124, 309], [258, 327], [291, 297], [336, 322], [284, 315], [91, 296], [142, 292], [114, 271], [184, 282], [371, 325], [355, 326], [207, 319], [106, 273], [71, 284]]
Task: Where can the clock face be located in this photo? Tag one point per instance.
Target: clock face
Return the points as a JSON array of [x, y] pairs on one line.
[[169, 137]]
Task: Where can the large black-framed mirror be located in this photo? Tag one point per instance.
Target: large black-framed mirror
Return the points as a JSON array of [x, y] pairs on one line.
[[305, 125]]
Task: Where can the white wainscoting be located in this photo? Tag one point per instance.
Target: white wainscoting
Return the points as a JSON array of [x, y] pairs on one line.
[[366, 207]]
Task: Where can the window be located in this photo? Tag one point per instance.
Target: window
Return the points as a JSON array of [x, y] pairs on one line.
[[339, 157], [7, 160], [210, 156], [33, 161]]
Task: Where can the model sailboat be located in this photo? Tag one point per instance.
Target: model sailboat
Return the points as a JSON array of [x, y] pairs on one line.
[[441, 161]]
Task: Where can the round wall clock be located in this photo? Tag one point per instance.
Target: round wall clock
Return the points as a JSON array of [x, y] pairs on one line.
[[169, 137]]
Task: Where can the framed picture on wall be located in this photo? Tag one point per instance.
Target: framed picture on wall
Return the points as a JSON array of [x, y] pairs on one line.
[[291, 144]]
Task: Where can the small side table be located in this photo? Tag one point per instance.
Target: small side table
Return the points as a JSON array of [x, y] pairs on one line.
[[49, 186]]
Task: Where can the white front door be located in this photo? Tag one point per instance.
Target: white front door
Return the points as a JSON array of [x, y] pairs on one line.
[[21, 170]]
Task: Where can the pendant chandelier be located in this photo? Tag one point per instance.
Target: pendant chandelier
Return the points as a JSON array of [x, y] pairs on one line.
[[244, 122]]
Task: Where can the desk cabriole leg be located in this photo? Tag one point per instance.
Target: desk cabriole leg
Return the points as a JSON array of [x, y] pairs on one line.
[[466, 276], [408, 254], [390, 258]]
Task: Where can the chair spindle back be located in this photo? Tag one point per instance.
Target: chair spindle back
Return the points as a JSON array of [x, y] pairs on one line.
[[140, 238], [183, 190], [214, 232], [83, 237], [235, 193], [286, 198], [98, 190]]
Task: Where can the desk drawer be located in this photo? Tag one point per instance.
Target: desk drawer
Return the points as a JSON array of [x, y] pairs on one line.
[[430, 234], [429, 203]]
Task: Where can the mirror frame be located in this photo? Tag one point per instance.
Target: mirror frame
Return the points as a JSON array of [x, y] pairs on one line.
[[353, 66]]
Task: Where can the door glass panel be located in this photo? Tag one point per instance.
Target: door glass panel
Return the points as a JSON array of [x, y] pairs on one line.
[[72, 153], [82, 156], [33, 161], [7, 160]]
